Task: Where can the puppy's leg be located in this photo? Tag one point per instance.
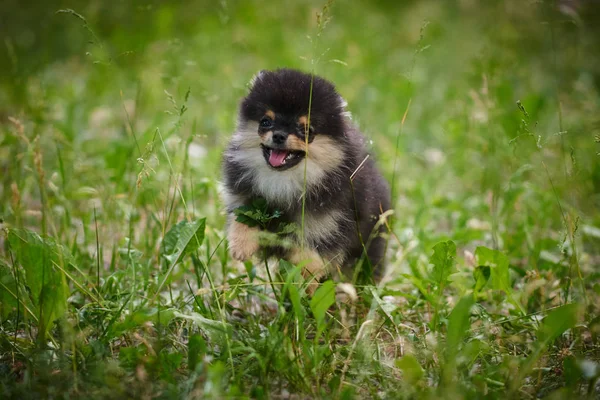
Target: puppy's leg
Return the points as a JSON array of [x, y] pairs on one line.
[[243, 240]]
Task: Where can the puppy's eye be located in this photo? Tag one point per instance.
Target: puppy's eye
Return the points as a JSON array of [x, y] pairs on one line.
[[266, 123], [302, 130]]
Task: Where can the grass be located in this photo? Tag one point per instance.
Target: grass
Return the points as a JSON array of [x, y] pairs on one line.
[[115, 279]]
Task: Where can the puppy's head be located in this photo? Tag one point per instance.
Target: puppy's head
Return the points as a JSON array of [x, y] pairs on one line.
[[278, 135], [277, 106]]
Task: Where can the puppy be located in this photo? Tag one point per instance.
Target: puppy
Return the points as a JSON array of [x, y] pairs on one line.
[[287, 154]]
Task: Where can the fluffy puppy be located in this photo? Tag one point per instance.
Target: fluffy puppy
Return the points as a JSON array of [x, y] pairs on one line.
[[279, 150]]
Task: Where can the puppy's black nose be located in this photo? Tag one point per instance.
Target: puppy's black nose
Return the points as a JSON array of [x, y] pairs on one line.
[[279, 137]]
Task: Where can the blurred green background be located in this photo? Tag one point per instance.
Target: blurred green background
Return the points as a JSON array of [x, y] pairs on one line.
[[484, 116], [463, 65]]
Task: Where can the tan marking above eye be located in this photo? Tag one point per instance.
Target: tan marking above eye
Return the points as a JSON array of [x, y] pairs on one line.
[[303, 122], [270, 114]]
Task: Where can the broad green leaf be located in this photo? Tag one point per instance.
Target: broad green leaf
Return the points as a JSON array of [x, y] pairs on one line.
[[571, 371], [169, 364], [481, 275], [196, 349], [411, 369], [293, 279], [557, 322], [442, 259], [419, 284], [458, 325], [498, 264], [247, 216], [250, 270], [182, 239], [8, 291], [256, 214], [386, 307], [48, 287], [139, 317], [499, 276], [216, 330], [296, 304], [323, 298]]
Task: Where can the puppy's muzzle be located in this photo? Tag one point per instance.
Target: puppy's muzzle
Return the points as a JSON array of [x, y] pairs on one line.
[[279, 138], [282, 150]]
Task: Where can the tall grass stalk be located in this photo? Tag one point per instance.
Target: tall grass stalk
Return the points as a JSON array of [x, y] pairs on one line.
[[97, 253], [322, 20], [570, 229]]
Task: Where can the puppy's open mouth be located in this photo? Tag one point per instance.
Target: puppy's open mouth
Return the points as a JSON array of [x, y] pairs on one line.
[[282, 158]]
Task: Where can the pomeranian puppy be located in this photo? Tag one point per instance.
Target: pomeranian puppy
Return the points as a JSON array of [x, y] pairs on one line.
[[296, 148]]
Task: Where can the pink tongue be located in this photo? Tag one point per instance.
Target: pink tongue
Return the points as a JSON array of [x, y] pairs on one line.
[[277, 157]]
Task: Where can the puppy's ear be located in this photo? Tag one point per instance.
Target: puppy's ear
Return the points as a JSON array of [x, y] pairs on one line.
[[257, 77]]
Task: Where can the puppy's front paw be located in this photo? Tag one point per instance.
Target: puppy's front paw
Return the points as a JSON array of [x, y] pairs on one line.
[[243, 241], [314, 268]]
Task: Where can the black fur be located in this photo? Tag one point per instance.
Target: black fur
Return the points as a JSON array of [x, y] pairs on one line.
[[288, 93]]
